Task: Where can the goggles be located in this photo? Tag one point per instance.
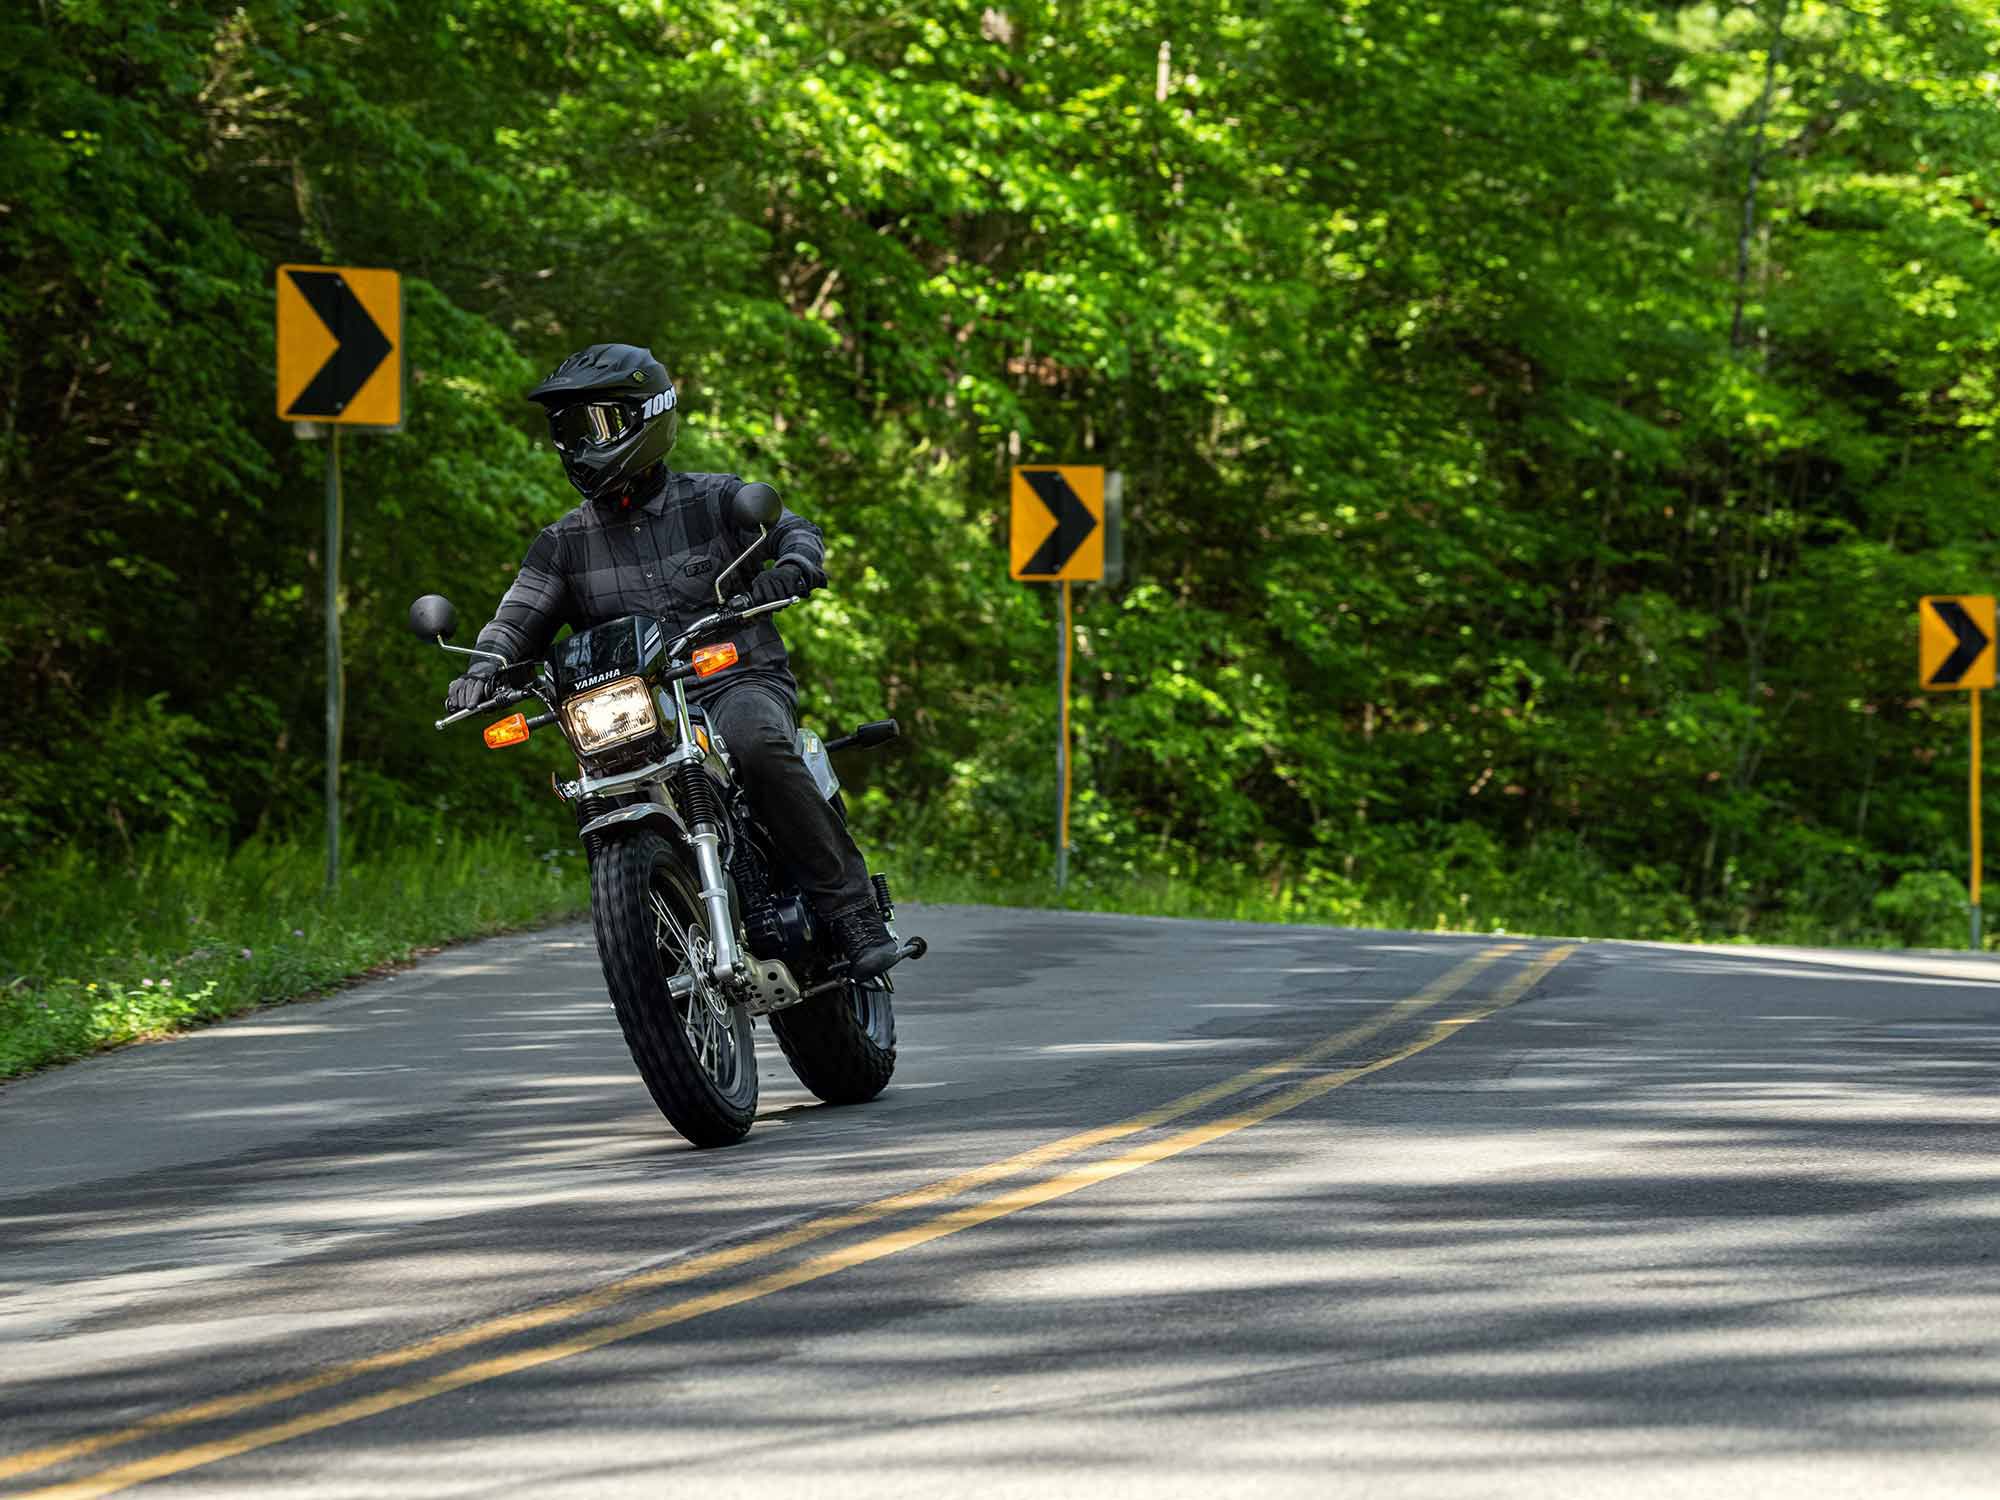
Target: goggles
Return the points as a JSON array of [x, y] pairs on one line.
[[590, 426]]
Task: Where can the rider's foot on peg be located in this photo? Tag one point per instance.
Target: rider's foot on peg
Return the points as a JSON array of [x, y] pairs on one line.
[[869, 948]]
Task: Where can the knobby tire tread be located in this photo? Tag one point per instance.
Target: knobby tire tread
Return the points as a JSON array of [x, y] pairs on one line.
[[837, 1061], [619, 879]]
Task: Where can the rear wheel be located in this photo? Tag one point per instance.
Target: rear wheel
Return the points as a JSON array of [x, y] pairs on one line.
[[842, 1046], [693, 1048]]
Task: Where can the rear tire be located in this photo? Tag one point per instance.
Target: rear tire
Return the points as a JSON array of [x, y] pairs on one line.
[[696, 1054], [841, 1046]]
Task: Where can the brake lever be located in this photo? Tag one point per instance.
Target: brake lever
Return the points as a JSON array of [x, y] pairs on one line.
[[502, 701]]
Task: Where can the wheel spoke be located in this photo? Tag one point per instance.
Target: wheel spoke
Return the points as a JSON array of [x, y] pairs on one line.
[[703, 1026], [709, 1037], [683, 944]]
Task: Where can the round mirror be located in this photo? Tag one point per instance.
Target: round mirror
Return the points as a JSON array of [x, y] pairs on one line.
[[432, 618], [757, 506]]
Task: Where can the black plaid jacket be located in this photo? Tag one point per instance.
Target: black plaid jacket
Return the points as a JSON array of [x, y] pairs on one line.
[[658, 556]]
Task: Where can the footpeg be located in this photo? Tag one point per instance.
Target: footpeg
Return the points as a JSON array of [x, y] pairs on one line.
[[914, 947]]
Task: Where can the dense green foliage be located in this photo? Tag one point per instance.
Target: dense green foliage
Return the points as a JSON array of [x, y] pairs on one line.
[[1538, 421]]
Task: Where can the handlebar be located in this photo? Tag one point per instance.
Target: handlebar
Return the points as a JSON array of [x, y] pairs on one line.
[[721, 617], [728, 617]]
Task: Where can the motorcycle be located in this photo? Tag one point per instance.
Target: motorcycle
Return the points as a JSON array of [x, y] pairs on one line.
[[700, 924]]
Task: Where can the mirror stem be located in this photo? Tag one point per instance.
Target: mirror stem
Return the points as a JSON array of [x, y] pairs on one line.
[[762, 532], [468, 651]]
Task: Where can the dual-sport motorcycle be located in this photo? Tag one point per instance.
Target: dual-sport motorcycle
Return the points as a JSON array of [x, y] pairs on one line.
[[700, 923]]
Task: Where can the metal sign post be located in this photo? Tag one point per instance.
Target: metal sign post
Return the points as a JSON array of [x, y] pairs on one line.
[[336, 681], [1955, 635], [1062, 744], [1977, 863], [1057, 536], [340, 364]]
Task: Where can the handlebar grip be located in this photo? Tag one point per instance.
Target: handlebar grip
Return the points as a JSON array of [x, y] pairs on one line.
[[503, 700]]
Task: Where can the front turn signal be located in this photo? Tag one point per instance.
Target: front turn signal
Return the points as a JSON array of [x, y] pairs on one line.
[[511, 730], [708, 660]]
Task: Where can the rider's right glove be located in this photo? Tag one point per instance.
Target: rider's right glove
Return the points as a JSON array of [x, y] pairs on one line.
[[469, 691]]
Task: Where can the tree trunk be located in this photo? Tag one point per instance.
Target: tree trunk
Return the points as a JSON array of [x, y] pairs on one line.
[[1771, 58]]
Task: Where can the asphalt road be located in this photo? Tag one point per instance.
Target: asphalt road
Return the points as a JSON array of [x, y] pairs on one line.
[[1152, 1208]]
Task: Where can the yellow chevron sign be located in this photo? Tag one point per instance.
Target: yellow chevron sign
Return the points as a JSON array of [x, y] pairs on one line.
[[1057, 534], [1955, 641], [340, 345]]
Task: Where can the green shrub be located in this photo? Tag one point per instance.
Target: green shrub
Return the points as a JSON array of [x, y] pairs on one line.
[[1925, 909]]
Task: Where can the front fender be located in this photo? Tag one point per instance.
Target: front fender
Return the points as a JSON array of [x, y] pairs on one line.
[[638, 813]]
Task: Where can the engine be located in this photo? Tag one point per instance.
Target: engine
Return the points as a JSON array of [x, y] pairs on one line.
[[779, 925]]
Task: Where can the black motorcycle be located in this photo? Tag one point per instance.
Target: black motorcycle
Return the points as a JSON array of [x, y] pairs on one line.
[[700, 924]]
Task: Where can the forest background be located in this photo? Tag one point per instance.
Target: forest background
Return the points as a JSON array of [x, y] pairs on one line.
[[1538, 421]]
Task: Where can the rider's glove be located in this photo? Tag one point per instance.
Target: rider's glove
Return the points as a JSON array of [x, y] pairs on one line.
[[469, 691], [783, 581]]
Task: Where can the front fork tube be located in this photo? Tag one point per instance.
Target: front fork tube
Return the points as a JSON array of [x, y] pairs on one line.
[[707, 841], [715, 897]]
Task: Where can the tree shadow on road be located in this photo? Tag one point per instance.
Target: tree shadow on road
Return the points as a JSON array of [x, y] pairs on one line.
[[1680, 1206]]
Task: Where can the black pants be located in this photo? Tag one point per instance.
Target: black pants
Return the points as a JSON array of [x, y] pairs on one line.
[[763, 741]]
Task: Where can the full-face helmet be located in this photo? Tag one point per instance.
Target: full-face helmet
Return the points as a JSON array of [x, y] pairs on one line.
[[612, 416]]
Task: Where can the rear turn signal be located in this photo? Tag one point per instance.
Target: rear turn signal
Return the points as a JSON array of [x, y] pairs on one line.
[[511, 730], [708, 660]]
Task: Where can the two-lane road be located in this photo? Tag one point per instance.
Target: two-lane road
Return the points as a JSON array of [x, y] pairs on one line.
[[1151, 1208]]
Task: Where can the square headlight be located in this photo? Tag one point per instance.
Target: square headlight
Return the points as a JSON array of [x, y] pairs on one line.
[[610, 715]]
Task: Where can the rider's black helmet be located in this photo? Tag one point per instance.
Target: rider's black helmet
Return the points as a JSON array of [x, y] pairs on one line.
[[612, 416]]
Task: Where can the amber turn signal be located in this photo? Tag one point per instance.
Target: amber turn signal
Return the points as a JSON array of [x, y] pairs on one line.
[[708, 660], [511, 730]]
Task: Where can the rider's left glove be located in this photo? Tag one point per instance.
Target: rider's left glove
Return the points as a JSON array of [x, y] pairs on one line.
[[784, 581]]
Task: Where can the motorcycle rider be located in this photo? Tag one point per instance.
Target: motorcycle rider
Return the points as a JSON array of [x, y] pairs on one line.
[[650, 541]]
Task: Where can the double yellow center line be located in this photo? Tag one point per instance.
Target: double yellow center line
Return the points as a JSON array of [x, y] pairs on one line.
[[967, 1216]]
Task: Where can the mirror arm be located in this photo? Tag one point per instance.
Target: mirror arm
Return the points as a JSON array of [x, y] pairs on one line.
[[762, 533], [468, 651]]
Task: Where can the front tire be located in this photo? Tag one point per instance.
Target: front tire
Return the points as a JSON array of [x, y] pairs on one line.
[[842, 1046], [695, 1053]]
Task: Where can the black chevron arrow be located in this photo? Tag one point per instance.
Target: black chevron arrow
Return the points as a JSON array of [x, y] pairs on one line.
[[1074, 522], [360, 345], [1972, 642]]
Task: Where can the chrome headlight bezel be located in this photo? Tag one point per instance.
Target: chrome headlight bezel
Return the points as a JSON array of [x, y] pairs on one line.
[[612, 715]]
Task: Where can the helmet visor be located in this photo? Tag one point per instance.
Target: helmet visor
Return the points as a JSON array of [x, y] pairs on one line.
[[591, 425]]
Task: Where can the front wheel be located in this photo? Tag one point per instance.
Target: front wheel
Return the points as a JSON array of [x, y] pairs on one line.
[[842, 1045], [691, 1045]]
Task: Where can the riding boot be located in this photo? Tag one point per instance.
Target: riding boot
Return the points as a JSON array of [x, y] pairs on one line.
[[869, 948]]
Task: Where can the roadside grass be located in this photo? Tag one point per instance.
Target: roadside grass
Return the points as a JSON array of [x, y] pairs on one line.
[[1250, 899], [1553, 888], [95, 954]]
